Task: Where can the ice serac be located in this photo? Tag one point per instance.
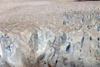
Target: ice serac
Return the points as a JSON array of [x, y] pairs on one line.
[[67, 38]]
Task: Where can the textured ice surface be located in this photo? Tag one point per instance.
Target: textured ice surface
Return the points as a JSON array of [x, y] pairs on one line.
[[67, 39]]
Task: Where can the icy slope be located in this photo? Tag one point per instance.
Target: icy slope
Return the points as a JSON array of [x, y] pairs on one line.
[[50, 35]]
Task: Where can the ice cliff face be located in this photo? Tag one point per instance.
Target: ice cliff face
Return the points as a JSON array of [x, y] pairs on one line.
[[73, 41]]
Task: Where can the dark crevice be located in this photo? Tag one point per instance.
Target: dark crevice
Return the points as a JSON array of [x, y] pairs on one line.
[[53, 55], [90, 38], [82, 41], [68, 47]]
